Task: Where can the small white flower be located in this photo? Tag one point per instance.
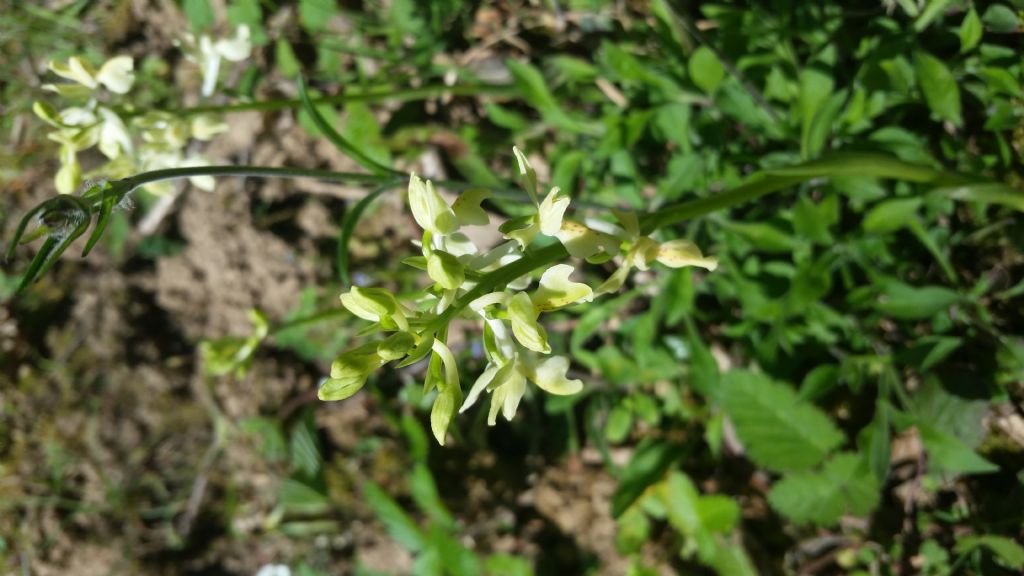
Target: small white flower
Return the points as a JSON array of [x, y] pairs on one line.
[[274, 570]]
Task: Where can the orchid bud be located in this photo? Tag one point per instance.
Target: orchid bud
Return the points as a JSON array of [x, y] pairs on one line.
[[429, 209], [445, 269], [396, 346], [370, 303], [349, 372]]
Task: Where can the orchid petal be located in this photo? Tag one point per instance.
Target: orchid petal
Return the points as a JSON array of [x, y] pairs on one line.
[[557, 291]]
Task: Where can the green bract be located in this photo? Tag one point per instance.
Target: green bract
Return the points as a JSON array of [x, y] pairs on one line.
[[514, 341]]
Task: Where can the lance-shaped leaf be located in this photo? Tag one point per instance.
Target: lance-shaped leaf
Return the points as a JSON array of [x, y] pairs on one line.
[[107, 203], [336, 138], [67, 218]]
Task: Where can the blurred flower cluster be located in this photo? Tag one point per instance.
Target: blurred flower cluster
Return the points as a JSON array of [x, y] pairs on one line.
[[514, 341], [97, 111]]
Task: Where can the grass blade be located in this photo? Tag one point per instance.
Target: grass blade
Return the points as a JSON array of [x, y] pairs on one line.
[[348, 226], [336, 138]]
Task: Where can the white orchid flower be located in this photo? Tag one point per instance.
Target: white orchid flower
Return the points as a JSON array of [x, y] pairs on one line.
[[208, 53], [116, 75]]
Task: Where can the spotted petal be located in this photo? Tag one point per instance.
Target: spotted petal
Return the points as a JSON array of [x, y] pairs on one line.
[[679, 253]]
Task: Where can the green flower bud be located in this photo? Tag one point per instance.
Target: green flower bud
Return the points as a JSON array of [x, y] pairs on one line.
[[370, 303], [445, 269], [395, 346], [349, 372], [527, 175], [449, 393], [429, 209], [523, 316]]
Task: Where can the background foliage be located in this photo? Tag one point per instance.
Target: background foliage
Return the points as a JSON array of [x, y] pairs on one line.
[[842, 395]]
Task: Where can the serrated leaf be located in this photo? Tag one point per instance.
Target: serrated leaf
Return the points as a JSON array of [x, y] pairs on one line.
[[348, 226], [295, 496], [780, 432], [305, 448], [648, 465], [946, 453], [336, 138], [398, 524], [424, 492], [199, 14], [891, 215], [821, 498], [534, 88], [939, 87], [1009, 552], [705, 69], [314, 15], [970, 31], [1001, 19], [907, 302]]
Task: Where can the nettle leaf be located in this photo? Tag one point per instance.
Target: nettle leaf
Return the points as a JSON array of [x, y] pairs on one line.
[[398, 524], [821, 498], [781, 433], [939, 87], [970, 31], [1006, 550], [649, 464], [907, 302], [706, 70], [947, 453], [891, 215]]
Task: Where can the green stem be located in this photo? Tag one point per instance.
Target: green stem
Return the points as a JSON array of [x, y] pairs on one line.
[[138, 180], [310, 319], [375, 95]]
